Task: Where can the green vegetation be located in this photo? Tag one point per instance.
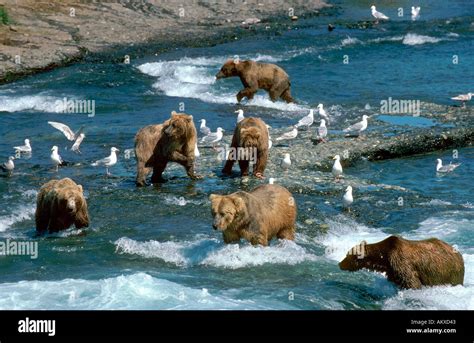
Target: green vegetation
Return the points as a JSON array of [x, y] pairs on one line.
[[3, 16]]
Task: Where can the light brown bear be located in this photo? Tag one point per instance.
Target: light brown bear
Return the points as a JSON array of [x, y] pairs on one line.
[[255, 76], [60, 204], [409, 264], [266, 212], [172, 141], [250, 142]]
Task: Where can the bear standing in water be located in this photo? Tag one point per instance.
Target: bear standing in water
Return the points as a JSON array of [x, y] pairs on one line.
[[409, 264], [60, 204], [250, 141], [172, 141], [255, 76], [266, 212]]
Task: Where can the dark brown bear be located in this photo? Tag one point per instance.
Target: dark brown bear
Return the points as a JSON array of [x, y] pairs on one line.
[[268, 211], [60, 204], [255, 76], [172, 141], [250, 142], [409, 264]]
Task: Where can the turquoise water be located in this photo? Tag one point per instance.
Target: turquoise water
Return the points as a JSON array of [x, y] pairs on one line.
[[154, 248]]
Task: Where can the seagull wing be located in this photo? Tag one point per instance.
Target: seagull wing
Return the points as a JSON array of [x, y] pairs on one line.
[[356, 127], [66, 130], [305, 121], [322, 132], [461, 97], [211, 137], [77, 143], [205, 130]]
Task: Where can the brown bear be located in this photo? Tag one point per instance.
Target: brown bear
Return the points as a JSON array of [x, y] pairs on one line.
[[250, 142], [409, 264], [172, 141], [266, 212], [60, 204], [255, 76]]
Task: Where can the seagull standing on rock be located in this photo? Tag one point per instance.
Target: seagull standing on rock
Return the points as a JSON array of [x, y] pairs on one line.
[[322, 113], [306, 121], [289, 135], [24, 149], [337, 167], [378, 15], [8, 166], [415, 12], [286, 162], [447, 168], [203, 128], [347, 199], [109, 161], [358, 127], [213, 137], [240, 115], [463, 98], [322, 131]]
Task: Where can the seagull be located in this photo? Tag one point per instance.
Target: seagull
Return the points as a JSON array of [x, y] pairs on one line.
[[463, 98], [289, 135], [196, 151], [347, 199], [66, 130], [203, 128], [56, 158], [25, 149], [109, 161], [8, 166], [322, 130], [415, 12], [358, 127], [271, 181], [378, 15], [213, 137], [240, 116], [270, 143], [307, 120], [445, 169], [286, 162], [337, 167], [322, 113], [77, 143]]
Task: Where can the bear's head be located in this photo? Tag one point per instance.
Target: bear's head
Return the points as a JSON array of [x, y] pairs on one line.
[[356, 258], [225, 210], [249, 137], [230, 68], [75, 205], [179, 126]]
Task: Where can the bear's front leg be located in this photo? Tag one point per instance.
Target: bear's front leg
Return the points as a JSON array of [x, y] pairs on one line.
[[260, 164], [230, 237], [187, 162], [227, 170], [246, 92], [244, 167]]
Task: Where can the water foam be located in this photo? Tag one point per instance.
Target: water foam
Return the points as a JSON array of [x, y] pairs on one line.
[[38, 103], [415, 39], [19, 214]]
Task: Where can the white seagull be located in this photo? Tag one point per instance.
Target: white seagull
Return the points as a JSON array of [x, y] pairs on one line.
[[377, 15], [286, 162], [213, 137], [463, 98], [196, 151], [109, 161], [322, 130], [77, 143], [322, 113], [203, 128], [270, 143], [240, 115], [337, 167], [306, 120], [24, 149], [56, 158], [358, 127], [447, 168], [289, 135], [66, 130], [347, 199], [8, 166], [415, 12]]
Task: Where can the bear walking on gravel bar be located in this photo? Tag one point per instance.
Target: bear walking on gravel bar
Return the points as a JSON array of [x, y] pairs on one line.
[[172, 141], [60, 204], [409, 264], [266, 212], [255, 76], [249, 143]]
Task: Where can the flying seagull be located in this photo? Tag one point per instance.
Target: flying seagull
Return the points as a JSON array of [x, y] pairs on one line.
[[447, 168], [77, 143], [203, 128], [463, 98], [240, 115], [66, 130], [358, 127], [24, 149], [108, 161], [306, 120]]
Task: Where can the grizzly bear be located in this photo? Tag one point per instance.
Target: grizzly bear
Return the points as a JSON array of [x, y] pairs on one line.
[[250, 142], [172, 141], [266, 212], [409, 264], [60, 204], [255, 76]]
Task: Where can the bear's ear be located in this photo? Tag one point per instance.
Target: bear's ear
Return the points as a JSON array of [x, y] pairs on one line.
[[212, 197], [189, 118], [80, 188], [173, 113], [238, 202]]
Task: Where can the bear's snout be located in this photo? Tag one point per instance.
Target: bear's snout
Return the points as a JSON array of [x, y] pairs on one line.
[[220, 75], [214, 226]]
